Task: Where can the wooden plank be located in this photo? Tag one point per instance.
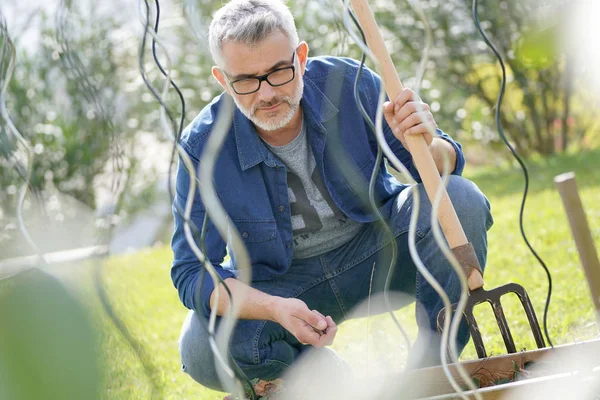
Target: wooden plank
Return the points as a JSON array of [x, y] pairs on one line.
[[556, 386], [567, 187], [430, 382]]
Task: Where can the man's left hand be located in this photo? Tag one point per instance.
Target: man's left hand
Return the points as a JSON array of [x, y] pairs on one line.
[[409, 115], [327, 335]]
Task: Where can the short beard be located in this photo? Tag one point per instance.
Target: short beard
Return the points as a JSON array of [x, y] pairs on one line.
[[269, 126]]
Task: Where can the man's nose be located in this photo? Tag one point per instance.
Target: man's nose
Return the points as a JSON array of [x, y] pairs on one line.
[[266, 92]]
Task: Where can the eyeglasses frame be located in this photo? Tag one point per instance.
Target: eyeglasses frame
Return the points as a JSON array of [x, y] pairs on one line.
[[265, 77]]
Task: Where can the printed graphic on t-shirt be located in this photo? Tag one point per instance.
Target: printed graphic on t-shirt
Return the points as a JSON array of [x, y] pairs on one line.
[[306, 219]]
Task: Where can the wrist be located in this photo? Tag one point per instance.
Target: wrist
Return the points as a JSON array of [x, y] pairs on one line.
[[441, 149], [273, 307]]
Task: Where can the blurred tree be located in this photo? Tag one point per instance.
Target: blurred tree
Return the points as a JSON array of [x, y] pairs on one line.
[[79, 100], [540, 112], [537, 114], [68, 100]]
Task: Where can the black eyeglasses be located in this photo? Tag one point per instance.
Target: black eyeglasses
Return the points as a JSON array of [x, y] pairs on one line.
[[278, 77]]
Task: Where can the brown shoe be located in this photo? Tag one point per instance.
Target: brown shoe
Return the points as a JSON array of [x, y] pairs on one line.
[[265, 390]]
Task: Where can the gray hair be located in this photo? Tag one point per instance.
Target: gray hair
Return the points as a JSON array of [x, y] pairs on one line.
[[249, 22]]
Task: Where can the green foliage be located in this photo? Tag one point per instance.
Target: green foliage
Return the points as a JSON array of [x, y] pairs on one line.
[[68, 101], [68, 134], [538, 49]]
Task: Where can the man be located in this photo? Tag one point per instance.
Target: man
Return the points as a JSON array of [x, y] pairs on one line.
[[316, 248]]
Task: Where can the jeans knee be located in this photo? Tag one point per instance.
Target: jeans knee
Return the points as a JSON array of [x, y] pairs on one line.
[[260, 349], [471, 205], [196, 357], [266, 352]]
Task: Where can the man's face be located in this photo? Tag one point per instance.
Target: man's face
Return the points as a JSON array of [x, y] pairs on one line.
[[270, 108]]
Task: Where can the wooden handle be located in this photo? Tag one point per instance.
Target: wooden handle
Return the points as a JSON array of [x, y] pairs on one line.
[[419, 150], [567, 187]]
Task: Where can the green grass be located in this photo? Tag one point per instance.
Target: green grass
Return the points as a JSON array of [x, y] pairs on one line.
[[140, 288]]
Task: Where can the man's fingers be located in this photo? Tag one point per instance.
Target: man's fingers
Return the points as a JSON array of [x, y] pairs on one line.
[[330, 322], [315, 320], [331, 326], [404, 97], [388, 107], [329, 336], [308, 336], [424, 128], [319, 336], [330, 332], [413, 120], [388, 113], [410, 108]]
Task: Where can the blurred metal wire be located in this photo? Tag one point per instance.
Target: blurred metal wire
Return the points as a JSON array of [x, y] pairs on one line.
[[450, 330], [73, 66], [75, 69], [230, 375], [394, 161], [23, 167], [414, 216]]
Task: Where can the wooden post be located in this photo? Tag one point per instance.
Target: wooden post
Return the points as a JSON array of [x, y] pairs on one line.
[[419, 150], [567, 187]]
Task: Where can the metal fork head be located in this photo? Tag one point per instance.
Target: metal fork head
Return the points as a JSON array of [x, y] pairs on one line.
[[492, 297]]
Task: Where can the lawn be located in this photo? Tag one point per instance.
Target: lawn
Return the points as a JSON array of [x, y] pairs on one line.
[[143, 296]]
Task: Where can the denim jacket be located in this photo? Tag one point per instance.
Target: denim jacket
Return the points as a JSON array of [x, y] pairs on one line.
[[251, 182]]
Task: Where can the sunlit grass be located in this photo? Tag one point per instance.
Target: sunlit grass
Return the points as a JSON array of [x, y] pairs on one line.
[[143, 296]]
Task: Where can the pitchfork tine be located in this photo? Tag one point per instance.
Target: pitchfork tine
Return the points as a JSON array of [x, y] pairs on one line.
[[492, 297]]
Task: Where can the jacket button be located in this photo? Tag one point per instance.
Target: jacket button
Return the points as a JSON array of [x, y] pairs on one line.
[[245, 235], [281, 208], [289, 245]]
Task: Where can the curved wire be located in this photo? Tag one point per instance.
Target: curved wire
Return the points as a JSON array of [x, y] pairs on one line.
[[422, 68], [221, 220], [190, 167], [229, 377], [178, 132], [8, 45], [373, 204], [450, 331], [519, 160], [136, 346], [412, 229], [194, 21], [396, 163], [226, 228], [73, 64]]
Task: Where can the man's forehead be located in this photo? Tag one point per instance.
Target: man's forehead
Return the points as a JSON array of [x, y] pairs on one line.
[[256, 59]]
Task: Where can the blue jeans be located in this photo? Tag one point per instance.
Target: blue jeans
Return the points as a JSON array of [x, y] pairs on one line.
[[336, 282]]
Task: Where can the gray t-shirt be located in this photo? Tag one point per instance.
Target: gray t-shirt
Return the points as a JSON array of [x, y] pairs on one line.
[[318, 225]]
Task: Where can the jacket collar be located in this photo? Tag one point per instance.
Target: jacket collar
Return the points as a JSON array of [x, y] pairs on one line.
[[251, 150]]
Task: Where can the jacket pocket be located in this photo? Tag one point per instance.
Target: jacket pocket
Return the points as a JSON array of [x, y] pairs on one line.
[[255, 231]]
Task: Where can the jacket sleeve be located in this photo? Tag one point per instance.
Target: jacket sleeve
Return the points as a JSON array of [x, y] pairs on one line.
[[371, 84], [186, 268]]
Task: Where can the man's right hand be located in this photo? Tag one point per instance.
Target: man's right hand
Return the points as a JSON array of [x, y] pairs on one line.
[[309, 327]]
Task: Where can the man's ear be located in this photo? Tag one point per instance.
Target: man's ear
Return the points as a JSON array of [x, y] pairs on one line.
[[302, 52], [220, 77]]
